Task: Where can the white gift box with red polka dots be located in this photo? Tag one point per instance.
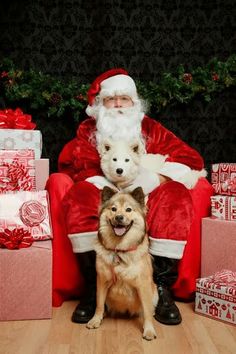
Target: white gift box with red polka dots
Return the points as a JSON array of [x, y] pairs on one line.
[[18, 139], [27, 210], [216, 296]]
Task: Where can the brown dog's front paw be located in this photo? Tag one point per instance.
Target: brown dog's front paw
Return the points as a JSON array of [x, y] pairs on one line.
[[95, 322], [149, 334]]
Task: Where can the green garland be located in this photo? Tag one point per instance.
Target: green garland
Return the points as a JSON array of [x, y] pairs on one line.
[[33, 90]]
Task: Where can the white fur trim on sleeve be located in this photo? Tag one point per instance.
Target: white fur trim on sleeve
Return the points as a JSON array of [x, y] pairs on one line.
[[166, 248], [83, 242], [182, 173], [174, 170]]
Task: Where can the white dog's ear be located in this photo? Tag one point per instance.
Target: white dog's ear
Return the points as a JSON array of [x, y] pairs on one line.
[[135, 148], [104, 147], [107, 147]]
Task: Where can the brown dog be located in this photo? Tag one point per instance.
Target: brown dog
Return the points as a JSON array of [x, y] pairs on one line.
[[123, 264]]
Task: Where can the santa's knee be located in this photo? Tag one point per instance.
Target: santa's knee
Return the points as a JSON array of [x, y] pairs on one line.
[[80, 206], [171, 191], [58, 184], [170, 200], [170, 215]]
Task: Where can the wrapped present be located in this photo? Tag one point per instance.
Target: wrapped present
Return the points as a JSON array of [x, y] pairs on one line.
[[223, 207], [218, 246], [17, 170], [27, 210], [16, 139], [216, 296], [223, 178], [41, 173], [26, 282]]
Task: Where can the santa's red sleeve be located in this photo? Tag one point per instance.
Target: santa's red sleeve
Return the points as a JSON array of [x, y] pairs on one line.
[[79, 158], [182, 163]]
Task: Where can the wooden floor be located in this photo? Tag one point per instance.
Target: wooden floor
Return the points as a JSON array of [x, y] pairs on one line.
[[196, 334]]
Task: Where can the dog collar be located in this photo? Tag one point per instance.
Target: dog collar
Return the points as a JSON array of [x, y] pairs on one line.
[[116, 250]]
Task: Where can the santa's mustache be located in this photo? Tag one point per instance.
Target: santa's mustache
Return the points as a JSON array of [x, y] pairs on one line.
[[116, 111]]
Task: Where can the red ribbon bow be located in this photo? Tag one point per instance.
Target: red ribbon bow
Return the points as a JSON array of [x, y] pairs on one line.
[[15, 239], [15, 119], [225, 277], [16, 179]]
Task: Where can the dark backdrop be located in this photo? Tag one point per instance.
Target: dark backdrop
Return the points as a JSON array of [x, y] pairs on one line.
[[83, 38]]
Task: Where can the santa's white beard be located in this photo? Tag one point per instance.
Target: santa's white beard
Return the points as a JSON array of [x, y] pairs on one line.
[[119, 123]]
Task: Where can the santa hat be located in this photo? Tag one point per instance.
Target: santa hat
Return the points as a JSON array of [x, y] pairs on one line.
[[112, 82]]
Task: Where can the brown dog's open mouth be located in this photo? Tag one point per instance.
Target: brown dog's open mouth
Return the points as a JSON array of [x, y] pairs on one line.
[[121, 230]]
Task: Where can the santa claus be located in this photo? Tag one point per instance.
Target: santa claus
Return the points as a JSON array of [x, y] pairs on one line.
[[174, 211]]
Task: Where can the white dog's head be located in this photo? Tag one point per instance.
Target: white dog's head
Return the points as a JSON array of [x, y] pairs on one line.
[[120, 161]]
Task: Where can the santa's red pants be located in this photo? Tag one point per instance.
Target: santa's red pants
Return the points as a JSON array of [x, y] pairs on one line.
[[174, 217]]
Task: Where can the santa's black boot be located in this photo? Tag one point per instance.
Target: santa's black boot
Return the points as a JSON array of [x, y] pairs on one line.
[[85, 310], [165, 273]]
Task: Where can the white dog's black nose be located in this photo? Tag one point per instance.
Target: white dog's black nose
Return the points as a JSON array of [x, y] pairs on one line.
[[119, 171]]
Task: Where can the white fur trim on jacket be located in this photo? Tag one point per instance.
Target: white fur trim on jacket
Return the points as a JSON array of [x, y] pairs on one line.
[[174, 170], [166, 248], [182, 173], [83, 242]]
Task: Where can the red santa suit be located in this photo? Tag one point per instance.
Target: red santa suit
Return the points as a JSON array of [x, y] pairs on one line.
[[174, 212]]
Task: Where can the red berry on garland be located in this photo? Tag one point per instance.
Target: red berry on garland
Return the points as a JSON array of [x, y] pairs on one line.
[[187, 78], [4, 74], [215, 77], [80, 97]]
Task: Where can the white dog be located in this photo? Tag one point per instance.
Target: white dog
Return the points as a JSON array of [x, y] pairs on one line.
[[127, 166], [120, 161]]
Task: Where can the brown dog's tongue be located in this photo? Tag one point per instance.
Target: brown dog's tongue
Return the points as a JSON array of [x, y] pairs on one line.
[[119, 231]]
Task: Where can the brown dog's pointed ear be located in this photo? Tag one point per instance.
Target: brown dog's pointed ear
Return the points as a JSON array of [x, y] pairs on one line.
[[139, 196], [107, 193]]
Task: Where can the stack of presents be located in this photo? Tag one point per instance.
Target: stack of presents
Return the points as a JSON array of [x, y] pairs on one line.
[[216, 289], [25, 228]]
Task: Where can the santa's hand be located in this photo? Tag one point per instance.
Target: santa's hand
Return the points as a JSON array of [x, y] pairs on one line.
[[100, 182], [146, 179]]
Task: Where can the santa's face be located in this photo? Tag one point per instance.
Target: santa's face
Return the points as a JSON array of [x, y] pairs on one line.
[[118, 118]]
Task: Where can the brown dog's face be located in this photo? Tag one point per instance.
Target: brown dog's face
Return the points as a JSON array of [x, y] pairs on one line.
[[122, 211]]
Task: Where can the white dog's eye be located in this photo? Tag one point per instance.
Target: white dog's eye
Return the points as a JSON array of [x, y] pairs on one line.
[[126, 160], [114, 159], [128, 210], [113, 209]]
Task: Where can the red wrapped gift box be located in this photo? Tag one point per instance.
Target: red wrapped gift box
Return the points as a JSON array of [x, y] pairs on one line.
[[223, 207], [27, 210], [17, 170], [223, 178], [218, 246], [41, 173], [26, 282], [216, 296]]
